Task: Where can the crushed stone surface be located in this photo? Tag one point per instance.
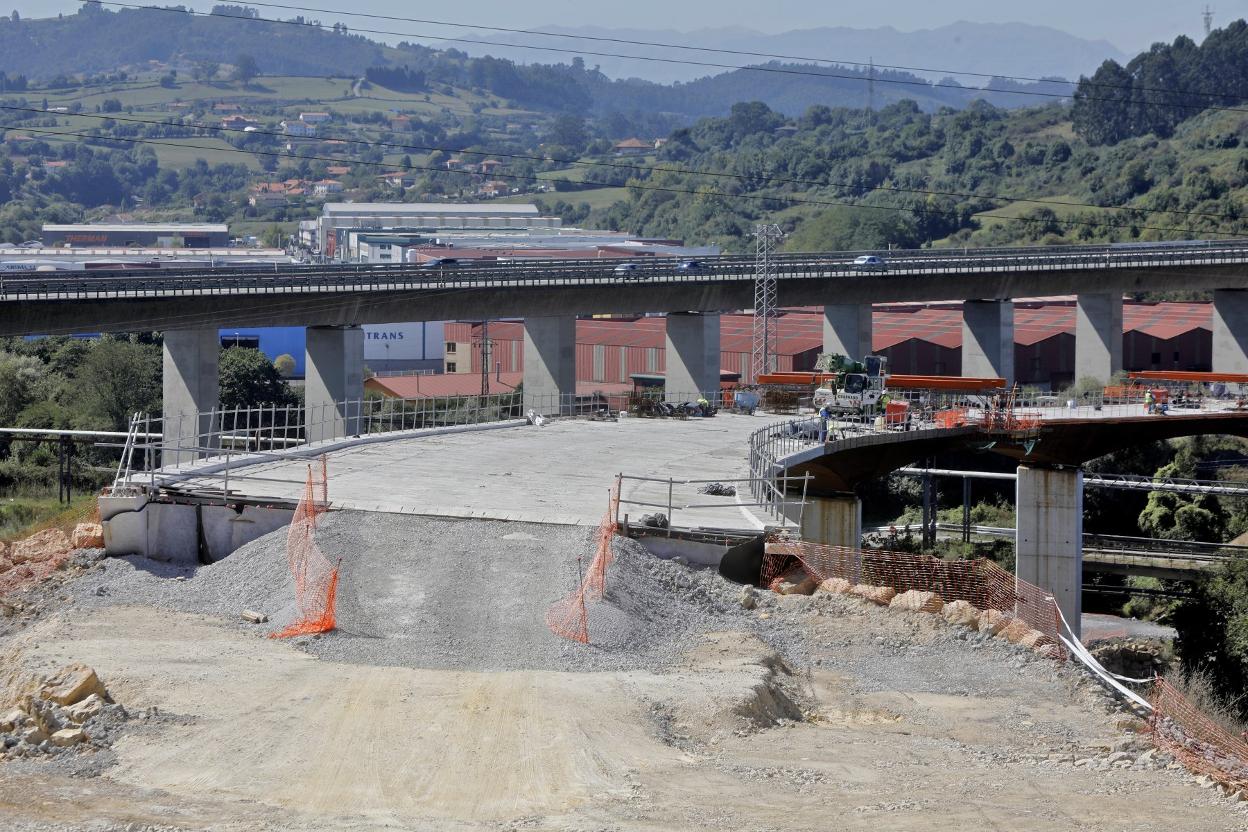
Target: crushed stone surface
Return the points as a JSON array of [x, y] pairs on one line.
[[455, 594]]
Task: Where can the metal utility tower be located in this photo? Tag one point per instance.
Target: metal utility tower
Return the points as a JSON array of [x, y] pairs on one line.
[[766, 314], [487, 354], [1208, 15], [871, 85]]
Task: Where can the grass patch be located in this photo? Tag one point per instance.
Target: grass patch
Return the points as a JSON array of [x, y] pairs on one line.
[[20, 517]]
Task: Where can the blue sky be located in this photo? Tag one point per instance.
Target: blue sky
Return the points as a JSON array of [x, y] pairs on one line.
[[1129, 24]]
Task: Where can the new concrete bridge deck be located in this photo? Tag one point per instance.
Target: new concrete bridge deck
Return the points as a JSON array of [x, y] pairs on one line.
[[557, 473]]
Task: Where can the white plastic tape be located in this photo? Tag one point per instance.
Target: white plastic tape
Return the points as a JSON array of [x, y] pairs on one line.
[[1115, 681]]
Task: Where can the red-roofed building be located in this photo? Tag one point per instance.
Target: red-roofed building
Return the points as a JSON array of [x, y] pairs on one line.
[[467, 384], [633, 147], [916, 338]]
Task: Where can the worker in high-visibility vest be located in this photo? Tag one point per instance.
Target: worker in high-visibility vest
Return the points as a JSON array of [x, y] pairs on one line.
[[1148, 401], [704, 406]]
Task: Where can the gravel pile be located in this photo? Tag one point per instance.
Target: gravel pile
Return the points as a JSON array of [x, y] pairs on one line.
[[455, 594]]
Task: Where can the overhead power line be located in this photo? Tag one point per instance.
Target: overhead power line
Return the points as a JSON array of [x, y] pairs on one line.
[[717, 50], [780, 70], [701, 192], [1221, 217]]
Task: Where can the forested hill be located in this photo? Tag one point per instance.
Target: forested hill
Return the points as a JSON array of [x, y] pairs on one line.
[[1160, 88], [97, 40]]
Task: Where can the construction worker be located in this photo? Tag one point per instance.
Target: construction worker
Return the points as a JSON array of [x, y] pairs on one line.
[[1148, 400], [704, 405], [825, 416]]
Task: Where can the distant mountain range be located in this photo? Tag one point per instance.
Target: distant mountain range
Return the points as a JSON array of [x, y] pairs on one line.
[[96, 40], [984, 48]]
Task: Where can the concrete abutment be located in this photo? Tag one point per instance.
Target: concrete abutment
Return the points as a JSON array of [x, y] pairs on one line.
[[833, 521]]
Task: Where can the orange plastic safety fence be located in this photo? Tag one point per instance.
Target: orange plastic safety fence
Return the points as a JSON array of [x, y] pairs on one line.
[[1200, 744], [569, 617], [316, 578], [954, 417], [979, 582]]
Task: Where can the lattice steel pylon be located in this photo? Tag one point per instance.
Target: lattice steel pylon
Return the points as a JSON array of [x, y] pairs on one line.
[[766, 315]]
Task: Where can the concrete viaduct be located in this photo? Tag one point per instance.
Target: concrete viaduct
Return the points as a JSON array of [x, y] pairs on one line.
[[334, 301]]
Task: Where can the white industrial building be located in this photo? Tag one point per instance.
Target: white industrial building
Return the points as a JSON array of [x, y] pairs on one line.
[[428, 216]]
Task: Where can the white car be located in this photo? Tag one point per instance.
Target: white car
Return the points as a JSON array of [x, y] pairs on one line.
[[870, 263], [628, 271]]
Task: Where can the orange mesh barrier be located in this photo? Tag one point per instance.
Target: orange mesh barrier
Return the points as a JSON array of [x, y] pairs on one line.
[[316, 579], [954, 417], [569, 617], [979, 582], [1200, 744]]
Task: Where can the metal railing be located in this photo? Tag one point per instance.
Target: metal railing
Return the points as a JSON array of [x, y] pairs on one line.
[[775, 500], [179, 443], [655, 270], [1016, 415]]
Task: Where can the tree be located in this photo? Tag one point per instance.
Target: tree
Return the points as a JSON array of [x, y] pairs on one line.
[[1213, 631], [206, 70], [18, 375], [249, 379], [245, 68], [1102, 109], [119, 378], [285, 365], [568, 131]]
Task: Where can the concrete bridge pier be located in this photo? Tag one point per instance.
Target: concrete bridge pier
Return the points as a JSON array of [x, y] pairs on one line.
[[1098, 336], [190, 389], [549, 364], [1230, 331], [988, 339], [833, 521], [334, 386], [847, 329], [692, 356], [1048, 545]]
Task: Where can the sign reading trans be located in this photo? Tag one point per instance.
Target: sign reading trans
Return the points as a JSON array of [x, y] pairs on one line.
[[401, 346]]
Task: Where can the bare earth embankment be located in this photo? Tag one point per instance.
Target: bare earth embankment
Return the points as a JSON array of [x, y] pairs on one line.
[[444, 703]]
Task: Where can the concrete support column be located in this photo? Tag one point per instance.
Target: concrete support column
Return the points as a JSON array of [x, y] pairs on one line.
[[988, 339], [333, 391], [1230, 331], [1048, 545], [833, 521], [549, 364], [847, 329], [1098, 336], [190, 390], [692, 356]]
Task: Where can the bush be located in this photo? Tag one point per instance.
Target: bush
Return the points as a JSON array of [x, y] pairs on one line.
[[1213, 635]]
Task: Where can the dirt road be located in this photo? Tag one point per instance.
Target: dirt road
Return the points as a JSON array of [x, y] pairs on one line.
[[277, 739]]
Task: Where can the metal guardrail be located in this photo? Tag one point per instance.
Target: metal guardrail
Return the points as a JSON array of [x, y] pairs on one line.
[[1129, 482], [175, 444], [1017, 415], [776, 497], [722, 268]]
